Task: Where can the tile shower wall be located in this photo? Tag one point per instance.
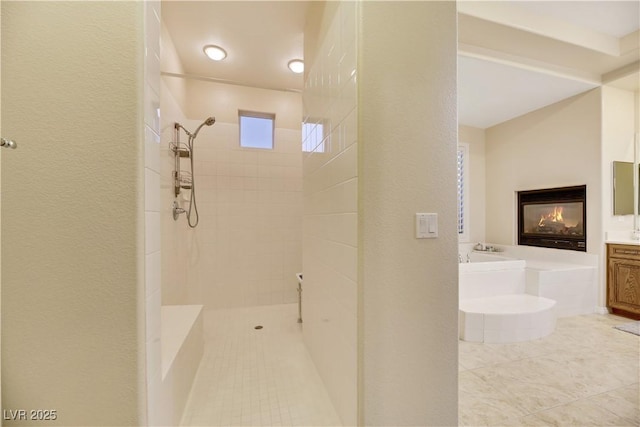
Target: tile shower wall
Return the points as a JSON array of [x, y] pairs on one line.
[[247, 247], [174, 238], [152, 206], [330, 202], [173, 234]]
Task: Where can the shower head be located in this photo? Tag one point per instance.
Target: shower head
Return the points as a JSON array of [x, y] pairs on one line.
[[209, 121]]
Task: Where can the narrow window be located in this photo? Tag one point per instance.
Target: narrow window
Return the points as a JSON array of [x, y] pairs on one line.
[[256, 129], [463, 196], [313, 137]]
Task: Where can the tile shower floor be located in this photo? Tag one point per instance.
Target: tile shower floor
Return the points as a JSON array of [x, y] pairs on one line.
[[257, 377], [585, 374]]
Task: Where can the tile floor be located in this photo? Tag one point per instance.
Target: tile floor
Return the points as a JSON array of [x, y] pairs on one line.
[[585, 374], [251, 377]]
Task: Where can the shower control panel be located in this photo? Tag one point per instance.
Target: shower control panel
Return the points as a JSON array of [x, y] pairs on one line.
[[426, 225]]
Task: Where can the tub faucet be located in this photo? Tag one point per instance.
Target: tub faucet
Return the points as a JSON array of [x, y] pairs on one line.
[[468, 258], [459, 259]]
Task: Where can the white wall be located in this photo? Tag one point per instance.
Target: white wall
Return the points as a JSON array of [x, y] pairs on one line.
[[618, 123], [476, 181], [407, 134], [330, 203], [555, 146], [73, 211]]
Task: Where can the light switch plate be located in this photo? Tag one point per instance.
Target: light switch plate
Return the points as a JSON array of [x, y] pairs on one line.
[[426, 225]]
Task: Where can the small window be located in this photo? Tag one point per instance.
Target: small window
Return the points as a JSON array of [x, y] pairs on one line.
[[256, 129], [463, 192], [313, 137]]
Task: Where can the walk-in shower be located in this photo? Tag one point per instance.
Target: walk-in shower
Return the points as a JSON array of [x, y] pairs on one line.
[[185, 179]]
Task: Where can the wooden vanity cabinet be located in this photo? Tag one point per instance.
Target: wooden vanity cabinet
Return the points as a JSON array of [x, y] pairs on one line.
[[623, 279]]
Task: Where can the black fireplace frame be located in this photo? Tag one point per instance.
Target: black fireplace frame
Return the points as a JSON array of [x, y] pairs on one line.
[[558, 196]]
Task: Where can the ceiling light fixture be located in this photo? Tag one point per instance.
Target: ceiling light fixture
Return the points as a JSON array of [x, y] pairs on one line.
[[296, 65], [215, 52]]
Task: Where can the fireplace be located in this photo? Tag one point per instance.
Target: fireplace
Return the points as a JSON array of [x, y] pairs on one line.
[[553, 218]]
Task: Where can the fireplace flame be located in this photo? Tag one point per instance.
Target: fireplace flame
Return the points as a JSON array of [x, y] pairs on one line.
[[555, 216]]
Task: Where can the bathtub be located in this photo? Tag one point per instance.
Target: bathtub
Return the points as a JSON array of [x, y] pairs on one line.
[[491, 274], [490, 261]]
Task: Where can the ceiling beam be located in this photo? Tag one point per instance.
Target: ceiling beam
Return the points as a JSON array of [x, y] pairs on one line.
[[528, 64], [517, 17]]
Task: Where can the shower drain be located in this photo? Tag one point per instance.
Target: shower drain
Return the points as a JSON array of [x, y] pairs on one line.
[[257, 327]]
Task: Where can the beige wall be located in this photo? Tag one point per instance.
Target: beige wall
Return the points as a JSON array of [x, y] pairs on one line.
[[555, 146], [247, 246], [407, 134], [1, 406], [223, 101], [73, 211], [330, 203], [637, 104], [476, 181]]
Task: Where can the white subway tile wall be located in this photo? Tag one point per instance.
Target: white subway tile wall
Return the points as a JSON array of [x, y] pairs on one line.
[[330, 233]]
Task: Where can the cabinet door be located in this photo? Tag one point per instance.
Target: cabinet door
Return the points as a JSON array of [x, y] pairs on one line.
[[624, 285]]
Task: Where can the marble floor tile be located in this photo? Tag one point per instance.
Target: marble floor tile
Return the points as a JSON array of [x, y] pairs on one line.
[[584, 374], [624, 401], [486, 409], [475, 355], [580, 413]]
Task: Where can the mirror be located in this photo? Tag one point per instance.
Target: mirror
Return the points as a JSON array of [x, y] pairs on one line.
[[622, 188]]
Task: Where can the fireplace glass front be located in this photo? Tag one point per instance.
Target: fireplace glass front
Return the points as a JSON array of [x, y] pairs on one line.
[[553, 218]]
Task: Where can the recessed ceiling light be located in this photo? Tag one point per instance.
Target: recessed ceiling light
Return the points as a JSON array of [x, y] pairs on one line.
[[215, 52], [296, 65]]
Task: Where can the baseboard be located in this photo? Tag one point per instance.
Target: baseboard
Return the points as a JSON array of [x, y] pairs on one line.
[[601, 310]]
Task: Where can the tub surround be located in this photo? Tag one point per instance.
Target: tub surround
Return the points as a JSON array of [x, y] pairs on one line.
[[522, 290], [572, 286], [506, 318]]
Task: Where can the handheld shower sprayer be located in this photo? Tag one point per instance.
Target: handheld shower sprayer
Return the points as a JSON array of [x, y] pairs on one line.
[[192, 198], [209, 121]]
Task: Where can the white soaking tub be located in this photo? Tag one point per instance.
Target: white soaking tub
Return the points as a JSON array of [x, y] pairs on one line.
[[489, 274]]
